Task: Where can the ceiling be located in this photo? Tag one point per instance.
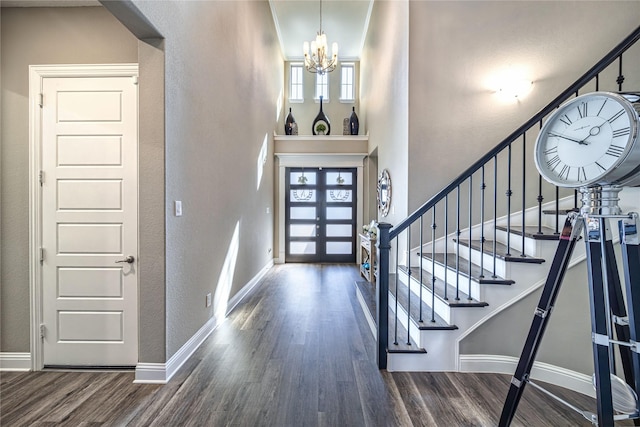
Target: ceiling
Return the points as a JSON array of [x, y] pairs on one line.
[[48, 3], [297, 21], [343, 21]]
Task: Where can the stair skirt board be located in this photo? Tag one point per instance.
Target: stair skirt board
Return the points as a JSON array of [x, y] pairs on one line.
[[531, 215], [367, 314], [493, 363]]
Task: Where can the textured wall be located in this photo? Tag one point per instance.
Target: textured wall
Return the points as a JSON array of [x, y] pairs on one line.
[[456, 48], [37, 36], [384, 96], [223, 83]]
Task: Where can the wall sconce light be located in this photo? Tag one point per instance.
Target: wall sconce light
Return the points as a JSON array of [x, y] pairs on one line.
[[515, 88], [512, 84]]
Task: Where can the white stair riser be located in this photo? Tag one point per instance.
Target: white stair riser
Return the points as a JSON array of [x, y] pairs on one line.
[[462, 280], [402, 319], [442, 309]]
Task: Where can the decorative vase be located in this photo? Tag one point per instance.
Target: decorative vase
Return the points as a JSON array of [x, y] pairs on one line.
[[321, 124], [354, 124], [288, 124]]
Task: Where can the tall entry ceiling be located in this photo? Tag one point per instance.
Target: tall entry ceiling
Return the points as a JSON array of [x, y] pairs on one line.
[[297, 21], [343, 21]]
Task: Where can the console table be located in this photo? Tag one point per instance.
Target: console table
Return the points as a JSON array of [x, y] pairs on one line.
[[368, 257]]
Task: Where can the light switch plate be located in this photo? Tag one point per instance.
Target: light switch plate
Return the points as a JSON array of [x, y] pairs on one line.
[[178, 206]]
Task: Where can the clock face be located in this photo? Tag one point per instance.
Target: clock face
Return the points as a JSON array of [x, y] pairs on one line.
[[586, 139]]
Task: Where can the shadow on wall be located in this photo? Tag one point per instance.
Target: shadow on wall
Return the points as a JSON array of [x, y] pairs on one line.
[[221, 298]]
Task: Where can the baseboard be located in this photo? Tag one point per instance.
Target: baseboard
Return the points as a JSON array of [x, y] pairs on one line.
[[541, 371], [161, 373], [15, 361]]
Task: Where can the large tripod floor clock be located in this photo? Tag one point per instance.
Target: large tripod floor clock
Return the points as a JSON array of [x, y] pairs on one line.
[[591, 143]]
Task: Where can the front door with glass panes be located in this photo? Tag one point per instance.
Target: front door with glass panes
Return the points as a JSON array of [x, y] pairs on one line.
[[320, 222]]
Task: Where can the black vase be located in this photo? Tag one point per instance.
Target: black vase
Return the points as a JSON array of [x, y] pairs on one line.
[[288, 124], [354, 123], [321, 125]]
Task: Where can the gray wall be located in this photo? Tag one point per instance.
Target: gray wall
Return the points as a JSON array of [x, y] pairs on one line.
[[224, 75], [37, 36]]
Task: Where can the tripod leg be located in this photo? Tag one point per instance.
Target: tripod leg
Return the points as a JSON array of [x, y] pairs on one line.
[[617, 304], [599, 320], [570, 233], [630, 244]]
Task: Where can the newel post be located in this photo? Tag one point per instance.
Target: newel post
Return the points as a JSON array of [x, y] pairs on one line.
[[382, 293]]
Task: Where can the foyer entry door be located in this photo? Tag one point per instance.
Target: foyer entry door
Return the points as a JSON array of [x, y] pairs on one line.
[[89, 221], [320, 218]]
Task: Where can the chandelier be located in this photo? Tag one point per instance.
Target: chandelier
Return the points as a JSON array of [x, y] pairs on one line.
[[317, 60]]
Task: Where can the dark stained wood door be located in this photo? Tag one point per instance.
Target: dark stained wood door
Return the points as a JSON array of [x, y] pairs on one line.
[[320, 217]]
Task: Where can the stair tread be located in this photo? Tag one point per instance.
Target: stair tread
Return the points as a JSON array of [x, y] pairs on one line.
[[463, 299], [438, 322], [502, 251], [481, 276], [367, 290], [532, 232]]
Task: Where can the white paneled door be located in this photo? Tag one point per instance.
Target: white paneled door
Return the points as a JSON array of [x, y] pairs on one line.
[[89, 221]]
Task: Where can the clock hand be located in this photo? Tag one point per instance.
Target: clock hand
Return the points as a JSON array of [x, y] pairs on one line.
[[570, 139], [592, 132]]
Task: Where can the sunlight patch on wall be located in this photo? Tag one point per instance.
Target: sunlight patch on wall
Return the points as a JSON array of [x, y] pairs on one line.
[[279, 105], [262, 158], [223, 289]]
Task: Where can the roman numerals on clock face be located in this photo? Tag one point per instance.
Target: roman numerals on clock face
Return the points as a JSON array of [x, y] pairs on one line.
[[585, 139]]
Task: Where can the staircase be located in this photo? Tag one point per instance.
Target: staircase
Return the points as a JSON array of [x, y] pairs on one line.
[[477, 247]]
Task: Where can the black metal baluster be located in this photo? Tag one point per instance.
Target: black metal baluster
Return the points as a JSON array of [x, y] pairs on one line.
[[470, 230], [509, 194], [433, 265], [483, 186], [524, 204], [395, 314], [421, 265], [408, 285], [446, 244], [495, 211], [458, 243], [557, 210], [540, 198], [620, 78]]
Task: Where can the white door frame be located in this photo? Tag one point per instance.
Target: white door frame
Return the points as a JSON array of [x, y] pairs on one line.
[[36, 75]]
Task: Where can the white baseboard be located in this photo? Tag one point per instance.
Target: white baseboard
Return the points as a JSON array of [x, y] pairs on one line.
[[15, 361], [541, 371], [161, 373], [235, 300]]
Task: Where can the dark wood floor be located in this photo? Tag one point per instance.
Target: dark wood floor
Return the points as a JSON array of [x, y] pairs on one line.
[[296, 352]]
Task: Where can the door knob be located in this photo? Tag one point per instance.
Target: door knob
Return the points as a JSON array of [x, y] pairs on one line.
[[128, 260]]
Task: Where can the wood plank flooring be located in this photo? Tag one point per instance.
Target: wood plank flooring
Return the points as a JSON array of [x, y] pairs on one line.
[[296, 352]]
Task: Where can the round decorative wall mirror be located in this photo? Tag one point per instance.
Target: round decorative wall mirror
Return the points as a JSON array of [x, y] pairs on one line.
[[384, 192]]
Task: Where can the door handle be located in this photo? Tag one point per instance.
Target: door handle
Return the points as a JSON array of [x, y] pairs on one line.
[[128, 260]]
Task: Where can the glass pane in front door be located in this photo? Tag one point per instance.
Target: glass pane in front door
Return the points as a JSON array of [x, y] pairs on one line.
[[320, 218]]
